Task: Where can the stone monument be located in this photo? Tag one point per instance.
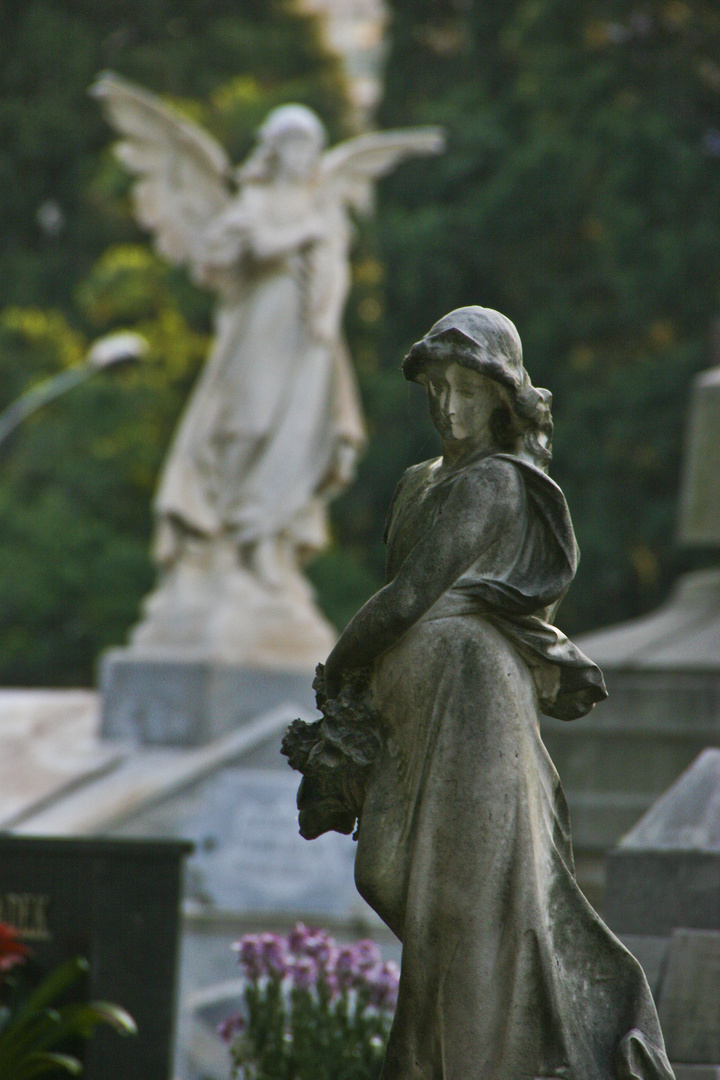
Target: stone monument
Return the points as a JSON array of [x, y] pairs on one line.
[[116, 903], [273, 427], [662, 673], [663, 898], [430, 742]]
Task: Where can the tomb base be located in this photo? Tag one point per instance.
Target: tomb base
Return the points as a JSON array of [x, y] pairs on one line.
[[170, 699], [696, 1072]]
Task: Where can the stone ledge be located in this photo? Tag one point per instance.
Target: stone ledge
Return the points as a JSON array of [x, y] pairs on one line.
[[147, 777], [696, 1072]]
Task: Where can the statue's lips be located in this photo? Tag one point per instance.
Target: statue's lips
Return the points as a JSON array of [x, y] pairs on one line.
[[452, 427]]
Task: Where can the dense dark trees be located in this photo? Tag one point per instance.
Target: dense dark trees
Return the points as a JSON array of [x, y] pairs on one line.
[[580, 195], [75, 487]]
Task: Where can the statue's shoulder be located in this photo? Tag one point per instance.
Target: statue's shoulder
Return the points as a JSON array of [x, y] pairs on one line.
[[412, 481], [498, 475], [421, 472], [547, 501], [536, 480]]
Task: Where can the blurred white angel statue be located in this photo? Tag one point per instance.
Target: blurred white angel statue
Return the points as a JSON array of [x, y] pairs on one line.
[[274, 424]]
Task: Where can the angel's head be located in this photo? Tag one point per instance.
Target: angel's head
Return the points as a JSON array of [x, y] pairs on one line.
[[289, 145]]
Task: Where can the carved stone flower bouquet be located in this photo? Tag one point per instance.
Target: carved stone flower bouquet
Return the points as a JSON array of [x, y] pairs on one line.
[[313, 1010], [334, 755]]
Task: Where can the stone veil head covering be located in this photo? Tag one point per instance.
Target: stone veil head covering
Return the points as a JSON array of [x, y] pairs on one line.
[[285, 122], [487, 342]]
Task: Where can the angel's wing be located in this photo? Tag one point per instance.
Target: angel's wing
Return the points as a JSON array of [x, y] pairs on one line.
[[183, 173], [353, 165]]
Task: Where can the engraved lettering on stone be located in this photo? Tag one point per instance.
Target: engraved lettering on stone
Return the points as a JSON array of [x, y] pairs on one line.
[[27, 912]]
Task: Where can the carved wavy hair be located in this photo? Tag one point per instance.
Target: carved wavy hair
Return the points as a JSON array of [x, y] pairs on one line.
[[488, 343]]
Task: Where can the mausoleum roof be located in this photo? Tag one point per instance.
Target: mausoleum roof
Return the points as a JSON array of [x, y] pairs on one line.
[[687, 816], [683, 634]]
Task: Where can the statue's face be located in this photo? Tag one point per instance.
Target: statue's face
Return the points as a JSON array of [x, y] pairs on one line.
[[297, 154], [461, 403]]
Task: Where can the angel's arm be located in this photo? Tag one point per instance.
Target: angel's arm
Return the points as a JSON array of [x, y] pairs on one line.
[[244, 229], [269, 242], [226, 239]]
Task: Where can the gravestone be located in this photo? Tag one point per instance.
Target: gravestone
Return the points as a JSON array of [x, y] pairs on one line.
[[251, 871], [662, 673], [115, 902], [690, 998], [249, 857], [663, 900], [665, 873]]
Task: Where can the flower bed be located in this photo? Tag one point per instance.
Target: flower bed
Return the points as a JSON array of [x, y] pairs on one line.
[[313, 1010]]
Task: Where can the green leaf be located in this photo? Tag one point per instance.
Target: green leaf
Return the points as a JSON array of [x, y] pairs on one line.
[[85, 1018], [42, 1063], [34, 1020], [49, 989]]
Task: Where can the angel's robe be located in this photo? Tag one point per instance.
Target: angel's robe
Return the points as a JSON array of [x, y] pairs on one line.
[[257, 443]]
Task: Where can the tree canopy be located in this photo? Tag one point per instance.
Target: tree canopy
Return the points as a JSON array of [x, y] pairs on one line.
[[580, 196], [77, 482], [229, 61]]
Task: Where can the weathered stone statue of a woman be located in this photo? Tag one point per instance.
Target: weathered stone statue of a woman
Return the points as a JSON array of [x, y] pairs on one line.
[[464, 843]]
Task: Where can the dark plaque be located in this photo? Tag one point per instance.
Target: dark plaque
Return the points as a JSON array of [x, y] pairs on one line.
[[117, 903]]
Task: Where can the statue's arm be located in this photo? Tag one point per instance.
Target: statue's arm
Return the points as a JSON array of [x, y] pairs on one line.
[[267, 242], [225, 241], [244, 229], [480, 509]]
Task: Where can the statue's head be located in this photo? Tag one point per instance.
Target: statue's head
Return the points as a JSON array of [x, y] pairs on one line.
[[476, 354], [289, 144]]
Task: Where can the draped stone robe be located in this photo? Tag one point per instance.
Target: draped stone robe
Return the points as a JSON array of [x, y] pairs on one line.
[[464, 843]]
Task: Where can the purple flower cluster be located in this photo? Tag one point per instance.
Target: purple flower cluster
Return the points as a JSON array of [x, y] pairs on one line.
[[309, 957], [262, 954]]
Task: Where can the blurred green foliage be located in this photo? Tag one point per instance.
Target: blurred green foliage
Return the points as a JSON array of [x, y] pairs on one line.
[[580, 195], [77, 480], [239, 57]]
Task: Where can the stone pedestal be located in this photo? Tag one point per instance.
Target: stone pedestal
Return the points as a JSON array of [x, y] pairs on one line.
[[176, 700], [663, 709], [663, 900], [700, 497]]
